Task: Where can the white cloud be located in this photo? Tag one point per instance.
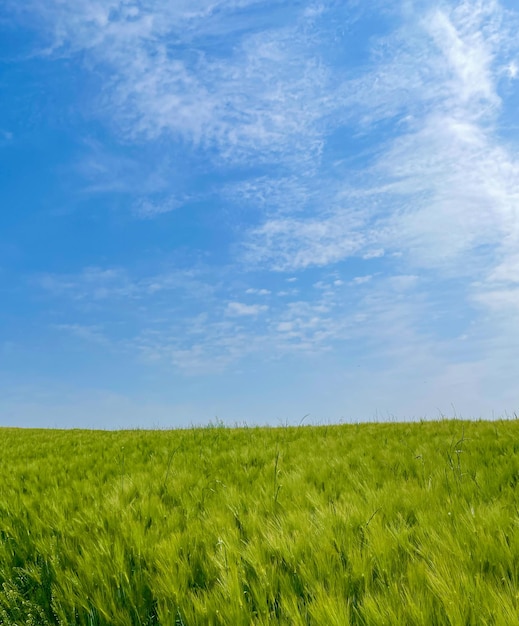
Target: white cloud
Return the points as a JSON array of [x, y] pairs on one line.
[[285, 194], [187, 320], [512, 69], [258, 292], [374, 254], [97, 284], [289, 244], [466, 36], [239, 308], [93, 283], [501, 301], [507, 271], [458, 191], [146, 208], [264, 101], [361, 280], [403, 282], [446, 185]]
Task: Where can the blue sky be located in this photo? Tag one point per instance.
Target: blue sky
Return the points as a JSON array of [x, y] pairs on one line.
[[253, 210]]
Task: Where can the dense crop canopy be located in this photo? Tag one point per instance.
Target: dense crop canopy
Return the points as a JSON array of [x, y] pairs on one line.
[[331, 525]]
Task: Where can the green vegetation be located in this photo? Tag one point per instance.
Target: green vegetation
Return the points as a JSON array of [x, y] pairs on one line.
[[333, 525]]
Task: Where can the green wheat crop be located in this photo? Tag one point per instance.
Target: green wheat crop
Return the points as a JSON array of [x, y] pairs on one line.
[[333, 525]]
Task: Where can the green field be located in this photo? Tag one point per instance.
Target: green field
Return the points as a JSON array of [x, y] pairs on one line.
[[331, 525]]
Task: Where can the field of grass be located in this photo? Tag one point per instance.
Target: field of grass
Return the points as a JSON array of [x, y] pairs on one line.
[[333, 525]]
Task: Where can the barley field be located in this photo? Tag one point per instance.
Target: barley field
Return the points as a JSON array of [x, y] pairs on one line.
[[326, 525]]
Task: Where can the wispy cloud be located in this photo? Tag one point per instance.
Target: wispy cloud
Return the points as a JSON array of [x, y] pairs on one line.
[[239, 309], [361, 191], [147, 208], [293, 244], [191, 322], [361, 280], [446, 184], [109, 284], [272, 98], [263, 100], [91, 334], [258, 292]]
